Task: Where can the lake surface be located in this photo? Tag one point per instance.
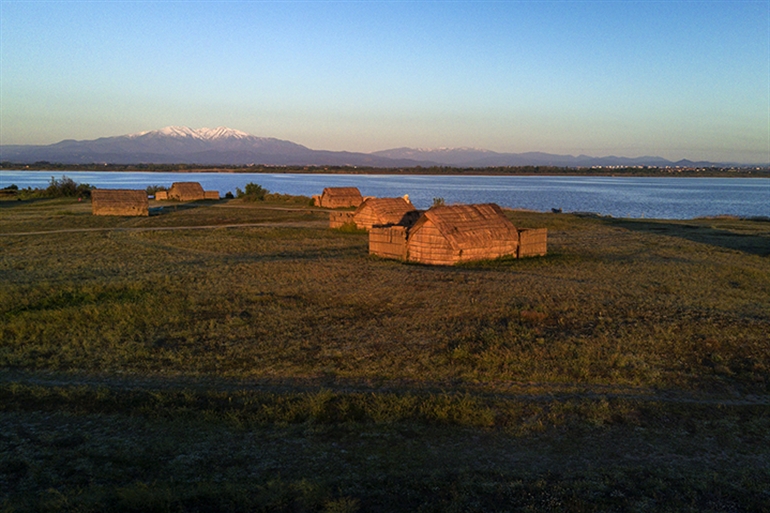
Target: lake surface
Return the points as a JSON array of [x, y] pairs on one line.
[[661, 198]]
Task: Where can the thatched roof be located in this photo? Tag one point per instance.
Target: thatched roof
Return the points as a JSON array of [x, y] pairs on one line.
[[470, 226], [186, 191], [384, 211], [339, 192], [340, 197]]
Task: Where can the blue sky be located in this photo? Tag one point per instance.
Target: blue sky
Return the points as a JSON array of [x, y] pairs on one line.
[[678, 79]]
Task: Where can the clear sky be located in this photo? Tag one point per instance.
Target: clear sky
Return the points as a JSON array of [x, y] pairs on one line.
[[677, 79]]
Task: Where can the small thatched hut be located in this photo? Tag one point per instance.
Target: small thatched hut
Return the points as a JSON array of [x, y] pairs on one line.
[[186, 191], [119, 202], [161, 195], [458, 233], [339, 197], [211, 195], [532, 242], [384, 212]]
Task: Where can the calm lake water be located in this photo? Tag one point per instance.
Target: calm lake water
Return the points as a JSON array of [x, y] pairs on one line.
[[661, 198]]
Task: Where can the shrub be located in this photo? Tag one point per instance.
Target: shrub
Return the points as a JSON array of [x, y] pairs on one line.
[[66, 187], [438, 202], [254, 192], [152, 189], [289, 198]]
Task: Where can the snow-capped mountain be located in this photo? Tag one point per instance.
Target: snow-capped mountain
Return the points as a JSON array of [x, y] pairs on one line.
[[226, 146], [206, 134], [184, 145]]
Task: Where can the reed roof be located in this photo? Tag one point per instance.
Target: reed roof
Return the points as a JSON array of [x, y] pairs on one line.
[[386, 210], [335, 192], [470, 226], [187, 188]]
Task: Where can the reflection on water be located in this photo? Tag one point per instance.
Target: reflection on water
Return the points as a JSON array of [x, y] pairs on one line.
[[662, 198]]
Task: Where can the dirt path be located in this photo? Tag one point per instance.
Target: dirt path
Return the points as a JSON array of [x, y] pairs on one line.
[[536, 392], [267, 224]]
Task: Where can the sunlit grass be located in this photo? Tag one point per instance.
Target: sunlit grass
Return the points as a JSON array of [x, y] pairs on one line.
[[607, 305], [168, 334]]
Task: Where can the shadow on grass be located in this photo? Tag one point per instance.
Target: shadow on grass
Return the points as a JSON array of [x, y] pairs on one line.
[[755, 244], [178, 207], [11, 202]]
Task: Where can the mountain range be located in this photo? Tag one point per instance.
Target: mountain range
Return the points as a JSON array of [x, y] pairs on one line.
[[226, 146]]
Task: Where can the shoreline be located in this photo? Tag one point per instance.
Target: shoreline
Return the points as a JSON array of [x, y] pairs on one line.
[[534, 171]]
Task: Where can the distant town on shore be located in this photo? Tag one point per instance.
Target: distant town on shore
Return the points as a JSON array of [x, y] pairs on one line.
[[680, 171]]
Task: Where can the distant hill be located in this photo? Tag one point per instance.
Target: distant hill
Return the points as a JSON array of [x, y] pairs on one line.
[[225, 146], [475, 157]]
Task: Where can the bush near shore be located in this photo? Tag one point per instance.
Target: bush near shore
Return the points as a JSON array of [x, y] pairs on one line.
[[63, 187]]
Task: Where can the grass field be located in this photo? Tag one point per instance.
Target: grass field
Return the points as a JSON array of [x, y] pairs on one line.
[[241, 356]]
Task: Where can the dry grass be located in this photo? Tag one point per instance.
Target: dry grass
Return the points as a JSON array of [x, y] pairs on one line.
[[628, 369]]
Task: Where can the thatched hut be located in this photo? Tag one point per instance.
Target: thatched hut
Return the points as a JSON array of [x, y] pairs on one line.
[[119, 202], [339, 197], [211, 195], [186, 191], [161, 195], [458, 233], [532, 242], [385, 212]]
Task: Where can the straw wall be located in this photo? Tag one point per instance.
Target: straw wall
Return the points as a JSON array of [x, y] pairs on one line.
[[211, 195], [119, 202], [161, 195], [532, 242], [388, 242], [340, 219], [490, 251], [428, 246]]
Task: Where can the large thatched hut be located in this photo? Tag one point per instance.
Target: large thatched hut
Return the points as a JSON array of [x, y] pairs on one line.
[[447, 235], [186, 191], [119, 202], [339, 197], [384, 212]]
